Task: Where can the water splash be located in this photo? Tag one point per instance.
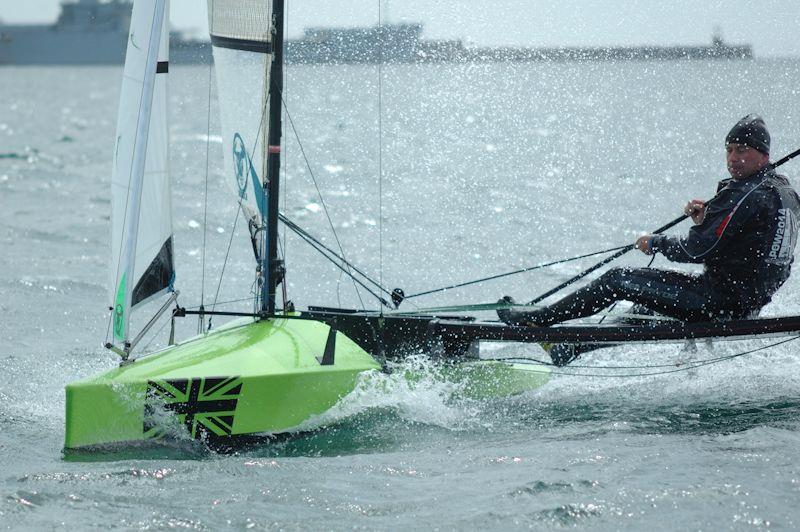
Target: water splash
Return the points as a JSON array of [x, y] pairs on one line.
[[416, 390]]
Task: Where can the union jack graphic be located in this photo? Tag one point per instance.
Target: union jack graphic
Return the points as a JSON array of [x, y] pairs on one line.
[[206, 406]]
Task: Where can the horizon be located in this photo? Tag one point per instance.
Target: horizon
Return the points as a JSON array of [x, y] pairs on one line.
[[767, 26]]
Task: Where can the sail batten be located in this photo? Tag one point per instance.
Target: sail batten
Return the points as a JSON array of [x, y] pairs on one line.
[[141, 206], [242, 44]]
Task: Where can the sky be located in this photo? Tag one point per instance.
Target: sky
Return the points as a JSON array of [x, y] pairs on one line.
[[770, 26]]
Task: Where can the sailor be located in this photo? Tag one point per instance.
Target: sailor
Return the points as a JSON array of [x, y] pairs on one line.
[[744, 237]]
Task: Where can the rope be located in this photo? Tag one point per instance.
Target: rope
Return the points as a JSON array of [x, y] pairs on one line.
[[205, 192], [282, 249], [477, 307], [328, 253], [316, 186], [688, 366], [344, 270], [380, 148], [220, 303], [236, 219], [522, 270]]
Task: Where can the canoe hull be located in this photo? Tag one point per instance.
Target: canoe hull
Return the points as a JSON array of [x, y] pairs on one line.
[[248, 378], [487, 379]]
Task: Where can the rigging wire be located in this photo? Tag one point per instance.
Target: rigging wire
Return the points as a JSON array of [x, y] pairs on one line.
[[332, 256], [316, 185], [282, 255], [205, 192], [380, 148], [236, 219], [521, 270], [305, 235], [155, 335], [220, 303], [684, 367], [282, 248], [225, 261], [343, 267]]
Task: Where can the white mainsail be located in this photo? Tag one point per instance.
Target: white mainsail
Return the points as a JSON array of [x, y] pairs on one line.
[[141, 243], [241, 36]]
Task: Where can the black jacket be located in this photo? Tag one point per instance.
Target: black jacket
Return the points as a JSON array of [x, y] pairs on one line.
[[746, 241]]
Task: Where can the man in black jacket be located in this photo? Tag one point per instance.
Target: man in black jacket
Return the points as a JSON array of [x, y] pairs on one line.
[[744, 236]]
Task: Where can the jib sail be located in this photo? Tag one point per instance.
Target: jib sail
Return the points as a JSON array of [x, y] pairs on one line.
[[141, 255]]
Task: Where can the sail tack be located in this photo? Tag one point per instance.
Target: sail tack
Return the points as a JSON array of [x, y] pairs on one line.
[[142, 256]]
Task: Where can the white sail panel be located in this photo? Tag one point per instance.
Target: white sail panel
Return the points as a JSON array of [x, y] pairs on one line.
[[243, 116], [241, 34], [245, 20], [141, 254]]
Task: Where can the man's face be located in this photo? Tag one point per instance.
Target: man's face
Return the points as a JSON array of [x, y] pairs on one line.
[[744, 161]]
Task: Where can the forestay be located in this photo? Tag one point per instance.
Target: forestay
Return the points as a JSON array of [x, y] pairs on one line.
[[241, 36], [141, 255]]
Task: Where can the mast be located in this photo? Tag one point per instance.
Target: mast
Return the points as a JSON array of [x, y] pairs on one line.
[[271, 265]]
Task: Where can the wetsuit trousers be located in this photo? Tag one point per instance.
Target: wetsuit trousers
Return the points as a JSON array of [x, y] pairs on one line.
[[675, 294]]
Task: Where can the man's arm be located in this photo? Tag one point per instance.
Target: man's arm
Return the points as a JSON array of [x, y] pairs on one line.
[[695, 209], [723, 217]]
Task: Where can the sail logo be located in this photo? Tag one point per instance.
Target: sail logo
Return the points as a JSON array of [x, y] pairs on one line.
[[783, 242], [119, 324], [119, 310], [241, 164], [205, 406], [245, 172]]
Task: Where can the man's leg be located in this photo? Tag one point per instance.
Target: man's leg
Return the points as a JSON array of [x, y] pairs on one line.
[[675, 294], [563, 354]]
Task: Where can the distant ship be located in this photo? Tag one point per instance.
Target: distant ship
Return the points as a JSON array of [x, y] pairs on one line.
[[87, 32], [718, 49], [388, 43], [96, 32], [402, 43]]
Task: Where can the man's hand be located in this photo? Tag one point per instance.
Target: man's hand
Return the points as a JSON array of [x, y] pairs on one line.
[[643, 244], [697, 210]]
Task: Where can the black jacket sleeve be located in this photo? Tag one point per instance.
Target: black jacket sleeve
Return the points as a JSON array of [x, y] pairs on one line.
[[726, 214]]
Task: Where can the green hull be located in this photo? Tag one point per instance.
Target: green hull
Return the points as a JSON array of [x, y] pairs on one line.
[[247, 378], [486, 379]]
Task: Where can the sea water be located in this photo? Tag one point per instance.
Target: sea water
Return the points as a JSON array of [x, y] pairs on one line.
[[455, 172]]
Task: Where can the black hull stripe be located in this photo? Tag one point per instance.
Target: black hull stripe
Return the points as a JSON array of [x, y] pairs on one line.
[[241, 44]]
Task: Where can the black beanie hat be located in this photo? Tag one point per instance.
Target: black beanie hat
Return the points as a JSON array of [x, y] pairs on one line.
[[750, 131]]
